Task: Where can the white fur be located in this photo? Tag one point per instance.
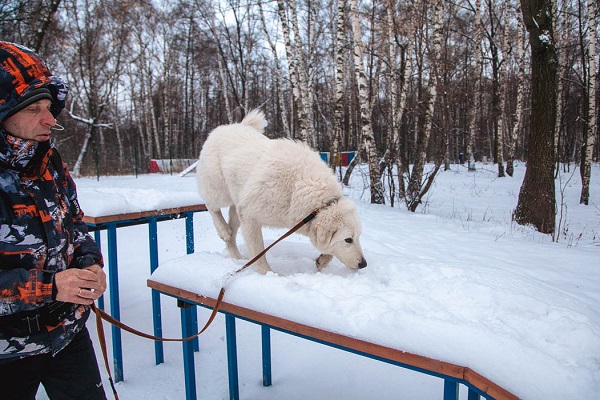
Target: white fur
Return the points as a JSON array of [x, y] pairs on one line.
[[274, 183]]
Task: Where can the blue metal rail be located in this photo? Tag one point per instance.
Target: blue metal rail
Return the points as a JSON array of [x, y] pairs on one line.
[[451, 384], [453, 376], [110, 223]]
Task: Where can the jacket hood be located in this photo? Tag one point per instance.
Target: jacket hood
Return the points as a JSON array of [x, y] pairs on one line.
[[23, 77]]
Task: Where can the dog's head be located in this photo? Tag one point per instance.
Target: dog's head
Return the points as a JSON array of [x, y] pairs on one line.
[[336, 231]]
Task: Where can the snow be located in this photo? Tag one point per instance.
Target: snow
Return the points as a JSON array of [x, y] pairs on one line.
[[458, 282], [122, 195]]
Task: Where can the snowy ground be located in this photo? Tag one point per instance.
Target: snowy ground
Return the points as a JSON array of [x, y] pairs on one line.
[[457, 281]]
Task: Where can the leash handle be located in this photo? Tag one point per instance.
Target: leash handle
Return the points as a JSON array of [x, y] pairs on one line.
[[102, 340], [102, 315]]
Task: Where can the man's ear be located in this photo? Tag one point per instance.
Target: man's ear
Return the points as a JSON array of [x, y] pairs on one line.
[[324, 235]]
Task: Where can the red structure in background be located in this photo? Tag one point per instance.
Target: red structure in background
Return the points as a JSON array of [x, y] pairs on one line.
[[344, 158], [154, 168], [169, 166]]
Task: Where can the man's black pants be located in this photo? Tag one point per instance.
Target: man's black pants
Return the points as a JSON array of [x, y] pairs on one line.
[[71, 375]]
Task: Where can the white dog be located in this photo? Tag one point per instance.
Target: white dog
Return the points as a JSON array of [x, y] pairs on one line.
[[275, 183]]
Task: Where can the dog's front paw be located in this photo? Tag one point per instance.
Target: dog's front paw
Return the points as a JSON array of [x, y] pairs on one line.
[[233, 250], [262, 268], [224, 233], [323, 260]]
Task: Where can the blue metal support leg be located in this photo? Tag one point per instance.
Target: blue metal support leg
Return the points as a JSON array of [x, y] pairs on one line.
[[473, 395], [189, 232], [232, 365], [113, 284], [99, 243], [450, 390], [189, 242], [189, 370], [266, 355], [156, 310]]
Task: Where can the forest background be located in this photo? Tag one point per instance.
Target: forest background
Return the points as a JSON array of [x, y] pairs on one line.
[[404, 83]]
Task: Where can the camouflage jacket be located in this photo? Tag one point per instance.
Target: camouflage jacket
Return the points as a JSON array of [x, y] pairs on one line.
[[41, 233]]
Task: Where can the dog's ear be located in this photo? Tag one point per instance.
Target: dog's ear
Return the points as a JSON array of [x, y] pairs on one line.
[[324, 235]]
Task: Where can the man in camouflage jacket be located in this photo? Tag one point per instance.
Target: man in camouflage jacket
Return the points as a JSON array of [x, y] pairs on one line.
[[50, 267]]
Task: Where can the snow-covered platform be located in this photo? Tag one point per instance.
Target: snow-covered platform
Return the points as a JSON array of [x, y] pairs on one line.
[[331, 307]]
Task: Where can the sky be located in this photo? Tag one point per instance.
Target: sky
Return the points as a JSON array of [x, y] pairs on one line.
[[457, 281]]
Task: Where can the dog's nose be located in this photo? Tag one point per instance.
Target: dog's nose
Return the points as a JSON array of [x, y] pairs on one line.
[[362, 263]]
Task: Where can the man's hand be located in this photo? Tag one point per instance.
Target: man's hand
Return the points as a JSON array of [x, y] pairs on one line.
[[80, 286]]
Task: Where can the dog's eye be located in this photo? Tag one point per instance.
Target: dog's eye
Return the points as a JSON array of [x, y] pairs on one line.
[[349, 240]]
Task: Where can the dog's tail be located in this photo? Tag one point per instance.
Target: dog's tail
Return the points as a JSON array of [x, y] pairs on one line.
[[255, 119]]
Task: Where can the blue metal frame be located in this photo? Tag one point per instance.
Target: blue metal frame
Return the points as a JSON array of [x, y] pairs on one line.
[[113, 278], [156, 310], [232, 365], [266, 355], [450, 390], [189, 242], [115, 310], [187, 311], [98, 241], [451, 384]]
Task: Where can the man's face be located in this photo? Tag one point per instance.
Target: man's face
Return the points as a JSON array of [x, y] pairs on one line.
[[31, 123]]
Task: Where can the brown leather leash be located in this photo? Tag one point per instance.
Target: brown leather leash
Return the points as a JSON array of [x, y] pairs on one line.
[[102, 315]]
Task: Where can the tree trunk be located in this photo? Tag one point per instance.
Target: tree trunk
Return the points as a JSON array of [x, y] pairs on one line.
[[474, 112], [399, 77], [416, 187], [166, 133], [76, 172], [391, 157], [297, 72], [518, 115], [502, 88], [377, 195], [278, 77], [353, 163], [586, 164], [46, 21], [563, 42], [292, 66], [154, 126], [117, 117], [339, 85], [537, 199], [495, 133]]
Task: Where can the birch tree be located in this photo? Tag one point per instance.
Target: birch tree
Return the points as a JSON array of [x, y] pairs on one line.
[[277, 70], [399, 76], [494, 44], [562, 42], [417, 188], [47, 17], [144, 71], [518, 114], [590, 140], [296, 66], [28, 21], [502, 84], [95, 70], [222, 70], [233, 34], [474, 112], [368, 140], [340, 49], [537, 199]]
